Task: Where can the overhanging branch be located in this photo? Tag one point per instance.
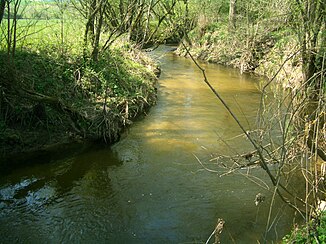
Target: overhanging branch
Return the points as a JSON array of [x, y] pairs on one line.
[[276, 182]]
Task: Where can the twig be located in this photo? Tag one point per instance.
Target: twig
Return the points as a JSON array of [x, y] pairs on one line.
[[210, 170], [217, 231]]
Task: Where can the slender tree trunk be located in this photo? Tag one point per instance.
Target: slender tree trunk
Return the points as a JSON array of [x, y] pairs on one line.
[[92, 21], [98, 35], [62, 26], [8, 34], [2, 9], [122, 11], [14, 42], [146, 31], [232, 15], [89, 28]]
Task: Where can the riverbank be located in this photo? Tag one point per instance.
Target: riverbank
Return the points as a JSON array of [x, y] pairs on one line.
[[50, 99], [270, 52]]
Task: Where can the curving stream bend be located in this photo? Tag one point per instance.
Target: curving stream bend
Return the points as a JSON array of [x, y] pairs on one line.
[[149, 187]]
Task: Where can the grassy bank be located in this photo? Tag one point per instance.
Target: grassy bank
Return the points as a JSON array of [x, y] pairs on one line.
[[52, 93]]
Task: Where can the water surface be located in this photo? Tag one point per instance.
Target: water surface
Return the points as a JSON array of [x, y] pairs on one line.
[[149, 187]]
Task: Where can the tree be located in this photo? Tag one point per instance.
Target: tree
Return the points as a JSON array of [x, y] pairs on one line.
[[141, 20], [232, 14], [12, 19], [2, 9], [310, 26]]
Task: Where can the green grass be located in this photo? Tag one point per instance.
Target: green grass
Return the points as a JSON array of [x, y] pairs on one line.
[[314, 232], [37, 34], [43, 10], [50, 60]]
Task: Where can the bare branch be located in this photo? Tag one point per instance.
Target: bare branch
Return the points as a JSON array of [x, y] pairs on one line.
[[262, 162]]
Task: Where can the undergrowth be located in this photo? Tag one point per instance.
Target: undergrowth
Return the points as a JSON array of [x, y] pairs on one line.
[[313, 232], [259, 48], [97, 99]]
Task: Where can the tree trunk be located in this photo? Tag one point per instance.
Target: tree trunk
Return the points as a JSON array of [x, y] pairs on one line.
[[14, 43], [232, 15], [312, 41], [8, 34], [146, 31], [2, 9], [98, 30]]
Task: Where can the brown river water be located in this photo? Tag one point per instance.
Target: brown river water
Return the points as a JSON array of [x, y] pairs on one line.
[[149, 187]]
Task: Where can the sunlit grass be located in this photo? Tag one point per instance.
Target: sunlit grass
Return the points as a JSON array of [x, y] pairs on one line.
[[45, 26]]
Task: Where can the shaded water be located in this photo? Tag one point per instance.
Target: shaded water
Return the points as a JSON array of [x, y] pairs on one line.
[[149, 187]]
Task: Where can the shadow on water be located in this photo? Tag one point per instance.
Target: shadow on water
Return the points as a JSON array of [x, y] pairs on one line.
[[60, 170], [43, 202], [42, 156]]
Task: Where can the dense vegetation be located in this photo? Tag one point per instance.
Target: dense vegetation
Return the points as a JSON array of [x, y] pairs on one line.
[[70, 71], [74, 69], [313, 232]]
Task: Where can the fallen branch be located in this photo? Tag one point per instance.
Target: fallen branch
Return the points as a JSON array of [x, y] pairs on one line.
[[58, 105], [217, 231]]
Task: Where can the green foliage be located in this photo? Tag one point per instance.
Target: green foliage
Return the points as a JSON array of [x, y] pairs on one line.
[[312, 232], [261, 28], [214, 10], [81, 95]]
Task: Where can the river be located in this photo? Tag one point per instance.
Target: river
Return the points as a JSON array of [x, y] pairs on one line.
[[150, 187]]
